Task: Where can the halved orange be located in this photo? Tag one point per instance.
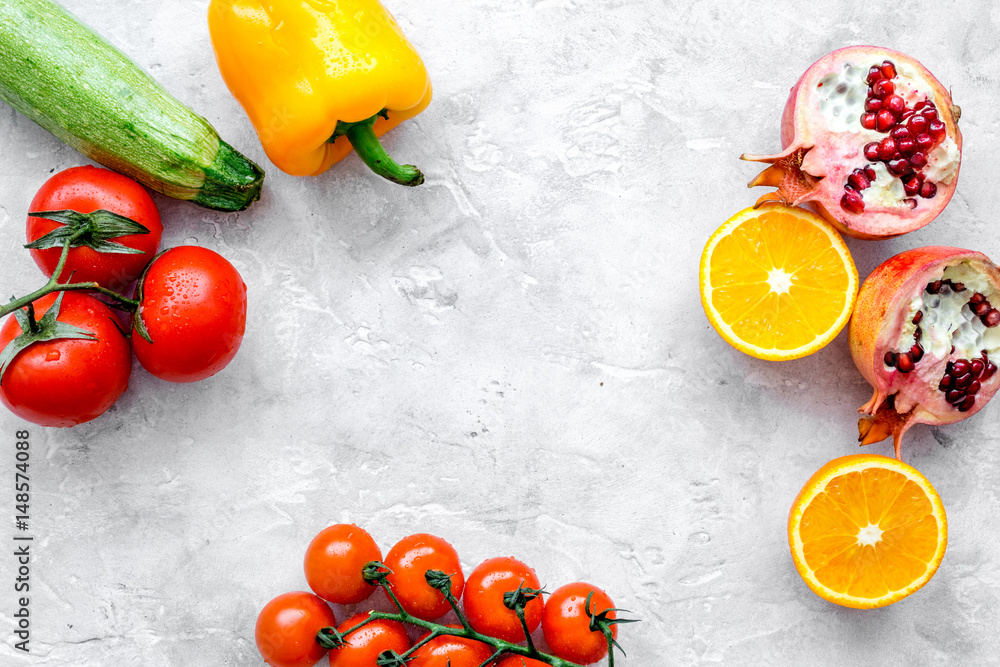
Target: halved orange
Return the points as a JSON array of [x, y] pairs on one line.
[[866, 531], [777, 282]]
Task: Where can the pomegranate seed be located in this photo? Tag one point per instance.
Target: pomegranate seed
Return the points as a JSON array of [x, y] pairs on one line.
[[918, 160], [960, 368], [930, 113], [904, 363], [928, 190], [870, 173], [991, 368], [918, 317], [935, 128], [906, 146], [887, 148], [912, 203], [852, 202], [900, 166], [871, 151], [954, 396], [888, 69], [981, 308], [916, 352], [917, 125], [917, 334], [895, 104], [889, 358], [992, 318], [963, 381], [934, 288], [873, 104], [967, 404], [977, 298], [883, 88], [858, 180], [884, 120], [958, 287], [946, 383], [874, 74], [911, 185], [900, 132], [906, 115], [974, 388], [924, 142], [920, 105], [868, 121], [977, 366]]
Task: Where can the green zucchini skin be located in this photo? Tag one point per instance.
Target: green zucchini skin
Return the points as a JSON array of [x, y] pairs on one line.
[[71, 81]]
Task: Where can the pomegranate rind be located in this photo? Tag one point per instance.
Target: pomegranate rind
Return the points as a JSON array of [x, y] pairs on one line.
[[818, 181], [817, 484], [880, 314]]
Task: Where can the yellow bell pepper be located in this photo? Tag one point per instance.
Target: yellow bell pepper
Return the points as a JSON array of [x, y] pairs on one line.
[[317, 77]]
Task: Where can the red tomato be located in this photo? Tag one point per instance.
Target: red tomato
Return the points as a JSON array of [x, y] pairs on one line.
[[194, 306], [67, 382], [447, 651], [566, 623], [286, 629], [335, 560], [483, 599], [409, 559], [365, 645], [519, 661], [85, 190]]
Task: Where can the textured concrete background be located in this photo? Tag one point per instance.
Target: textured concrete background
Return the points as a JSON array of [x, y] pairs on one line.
[[512, 356]]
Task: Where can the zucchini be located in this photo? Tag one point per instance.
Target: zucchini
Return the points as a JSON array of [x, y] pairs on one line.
[[62, 75]]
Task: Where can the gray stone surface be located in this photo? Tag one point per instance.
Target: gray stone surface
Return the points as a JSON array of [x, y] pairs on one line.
[[512, 356]]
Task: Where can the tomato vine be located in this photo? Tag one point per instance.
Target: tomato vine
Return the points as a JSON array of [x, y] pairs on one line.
[[375, 573]]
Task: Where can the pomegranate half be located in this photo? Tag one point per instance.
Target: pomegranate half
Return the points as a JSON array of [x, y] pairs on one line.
[[871, 139], [925, 335]]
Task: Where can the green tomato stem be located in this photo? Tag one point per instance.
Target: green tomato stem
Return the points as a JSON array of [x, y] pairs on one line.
[[524, 626], [499, 646], [53, 285], [33, 325]]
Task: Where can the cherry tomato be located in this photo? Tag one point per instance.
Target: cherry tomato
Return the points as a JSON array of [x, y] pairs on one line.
[[286, 629], [566, 623], [85, 190], [194, 306], [519, 661], [447, 651], [365, 645], [335, 560], [484, 604], [409, 559], [68, 381]]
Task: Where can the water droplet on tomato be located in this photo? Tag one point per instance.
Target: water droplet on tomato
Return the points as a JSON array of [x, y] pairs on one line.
[[53, 355]]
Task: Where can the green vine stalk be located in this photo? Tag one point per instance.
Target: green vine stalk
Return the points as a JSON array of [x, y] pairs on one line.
[[375, 573]]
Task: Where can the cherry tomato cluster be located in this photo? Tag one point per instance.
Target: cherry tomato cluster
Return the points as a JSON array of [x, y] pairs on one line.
[[498, 607], [65, 358]]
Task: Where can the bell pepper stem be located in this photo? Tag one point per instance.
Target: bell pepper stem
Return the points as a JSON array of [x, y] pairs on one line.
[[368, 147]]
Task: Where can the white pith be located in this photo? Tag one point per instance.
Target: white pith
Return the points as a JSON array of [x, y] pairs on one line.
[[779, 280], [948, 321], [870, 535], [887, 190], [840, 98]]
